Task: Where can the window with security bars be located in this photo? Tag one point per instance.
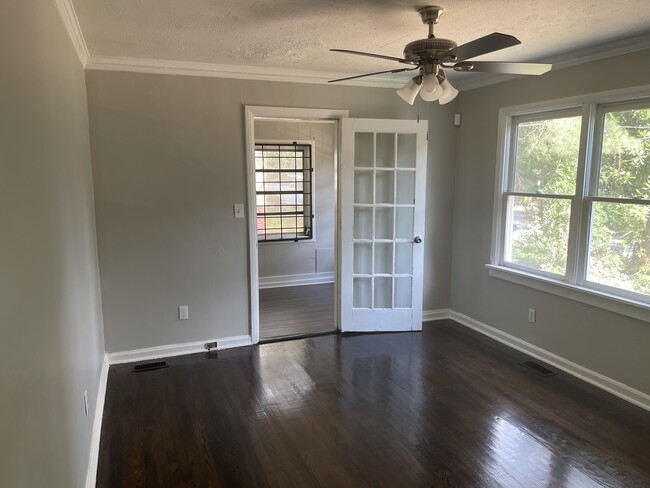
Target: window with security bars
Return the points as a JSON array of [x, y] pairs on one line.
[[283, 185]]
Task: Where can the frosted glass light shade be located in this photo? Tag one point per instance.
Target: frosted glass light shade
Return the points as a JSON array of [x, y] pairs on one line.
[[431, 89], [409, 91], [448, 93]]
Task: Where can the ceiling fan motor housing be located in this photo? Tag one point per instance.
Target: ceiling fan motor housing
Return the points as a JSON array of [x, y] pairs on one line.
[[433, 49]]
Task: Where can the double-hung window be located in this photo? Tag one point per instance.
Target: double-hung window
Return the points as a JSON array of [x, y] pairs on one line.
[[541, 189], [573, 198], [619, 214], [283, 185]]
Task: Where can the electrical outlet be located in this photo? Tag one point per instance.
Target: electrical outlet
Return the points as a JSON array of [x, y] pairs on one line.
[[531, 315], [86, 402], [183, 312]]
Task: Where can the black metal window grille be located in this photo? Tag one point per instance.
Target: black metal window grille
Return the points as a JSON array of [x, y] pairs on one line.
[[283, 185]]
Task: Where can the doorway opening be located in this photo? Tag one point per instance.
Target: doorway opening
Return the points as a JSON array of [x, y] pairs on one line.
[[293, 230]]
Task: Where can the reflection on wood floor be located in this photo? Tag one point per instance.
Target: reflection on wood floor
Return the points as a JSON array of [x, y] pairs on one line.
[[296, 311], [446, 407]]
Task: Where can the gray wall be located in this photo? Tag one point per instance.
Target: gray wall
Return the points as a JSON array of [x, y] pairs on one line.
[[168, 164], [611, 344], [317, 255], [51, 340]]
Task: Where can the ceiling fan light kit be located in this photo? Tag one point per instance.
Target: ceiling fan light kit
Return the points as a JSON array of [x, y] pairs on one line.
[[431, 91], [449, 93], [430, 55], [410, 91]]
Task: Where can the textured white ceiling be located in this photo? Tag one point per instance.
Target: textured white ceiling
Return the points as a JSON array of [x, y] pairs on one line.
[[298, 33]]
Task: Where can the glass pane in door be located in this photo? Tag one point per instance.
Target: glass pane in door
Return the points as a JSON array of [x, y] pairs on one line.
[[403, 258], [364, 150], [363, 223], [383, 223], [362, 258], [383, 293], [384, 186], [362, 292], [406, 150], [405, 187], [363, 187], [404, 223], [383, 258], [385, 151], [403, 292]]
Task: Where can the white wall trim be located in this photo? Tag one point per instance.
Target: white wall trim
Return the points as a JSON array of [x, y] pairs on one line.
[[614, 387], [296, 280], [232, 342], [469, 82], [171, 350], [91, 475], [213, 70], [440, 314], [71, 24]]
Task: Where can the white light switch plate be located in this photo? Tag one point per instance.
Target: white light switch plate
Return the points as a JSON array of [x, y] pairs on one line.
[[183, 312], [532, 315], [238, 209]]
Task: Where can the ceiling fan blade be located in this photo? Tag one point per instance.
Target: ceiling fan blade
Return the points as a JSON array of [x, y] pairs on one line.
[[399, 70], [483, 45], [505, 68], [380, 56]]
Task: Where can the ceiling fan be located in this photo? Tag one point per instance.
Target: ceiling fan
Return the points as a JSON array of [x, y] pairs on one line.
[[432, 54]]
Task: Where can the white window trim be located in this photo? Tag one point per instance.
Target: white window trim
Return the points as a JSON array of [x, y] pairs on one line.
[[300, 142], [571, 287]]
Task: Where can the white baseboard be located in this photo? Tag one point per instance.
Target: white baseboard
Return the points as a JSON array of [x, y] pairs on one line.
[[175, 349], [236, 341], [296, 280], [91, 475], [601, 381], [429, 315]]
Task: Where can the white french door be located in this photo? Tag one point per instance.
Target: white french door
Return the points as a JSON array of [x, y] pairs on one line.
[[382, 196]]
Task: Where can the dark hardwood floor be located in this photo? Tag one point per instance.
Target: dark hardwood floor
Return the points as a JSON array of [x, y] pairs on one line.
[[445, 407], [295, 311]]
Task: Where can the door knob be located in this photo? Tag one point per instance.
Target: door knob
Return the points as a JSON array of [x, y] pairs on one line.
[[417, 239]]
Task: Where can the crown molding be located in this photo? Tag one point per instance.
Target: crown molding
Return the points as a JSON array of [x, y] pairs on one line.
[[214, 70], [71, 23], [569, 60], [192, 68]]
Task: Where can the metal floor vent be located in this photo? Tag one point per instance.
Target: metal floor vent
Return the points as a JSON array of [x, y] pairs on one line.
[[538, 368], [149, 366]]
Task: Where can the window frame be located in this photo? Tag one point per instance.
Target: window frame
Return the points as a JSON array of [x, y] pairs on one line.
[[289, 142], [509, 190], [593, 184], [573, 284]]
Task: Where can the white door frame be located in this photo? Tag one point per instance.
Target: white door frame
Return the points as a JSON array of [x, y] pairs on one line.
[[259, 112]]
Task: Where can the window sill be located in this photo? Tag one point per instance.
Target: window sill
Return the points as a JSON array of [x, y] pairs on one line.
[[278, 241], [596, 298]]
